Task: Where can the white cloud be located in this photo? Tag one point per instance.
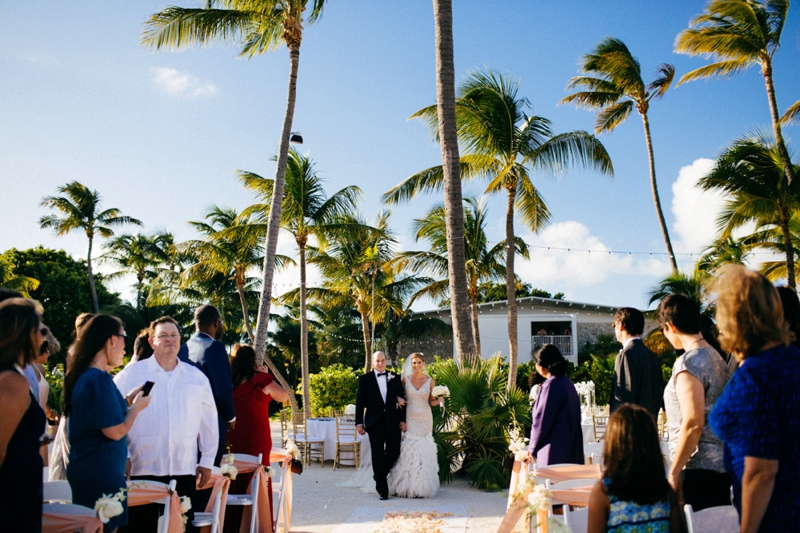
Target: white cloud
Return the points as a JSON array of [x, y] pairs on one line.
[[176, 83], [565, 256], [695, 210]]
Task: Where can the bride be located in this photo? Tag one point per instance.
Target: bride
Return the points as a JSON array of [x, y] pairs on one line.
[[416, 472]]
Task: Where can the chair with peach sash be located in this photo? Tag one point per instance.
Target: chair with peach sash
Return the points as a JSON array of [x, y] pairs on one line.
[[56, 492], [142, 492], [212, 519], [282, 491], [257, 510], [577, 520], [68, 517]]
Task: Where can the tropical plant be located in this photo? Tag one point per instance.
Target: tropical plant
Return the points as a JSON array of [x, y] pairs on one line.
[[307, 212], [404, 326], [473, 427], [333, 387], [738, 34], [451, 175], [792, 114], [261, 26], [771, 239], [724, 250], [483, 264], [80, 209], [751, 172], [612, 79], [506, 146], [9, 280]]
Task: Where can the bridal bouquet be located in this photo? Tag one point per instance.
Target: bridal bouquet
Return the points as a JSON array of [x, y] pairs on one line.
[[107, 507], [227, 468], [440, 391]]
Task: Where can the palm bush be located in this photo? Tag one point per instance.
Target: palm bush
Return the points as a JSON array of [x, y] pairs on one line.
[[471, 433]]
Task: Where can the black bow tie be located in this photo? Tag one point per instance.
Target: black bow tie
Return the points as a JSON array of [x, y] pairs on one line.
[[381, 374]]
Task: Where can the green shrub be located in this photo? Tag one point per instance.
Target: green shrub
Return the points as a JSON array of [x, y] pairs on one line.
[[472, 433], [334, 386]]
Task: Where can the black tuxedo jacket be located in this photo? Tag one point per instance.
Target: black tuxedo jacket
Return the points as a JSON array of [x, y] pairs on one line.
[[370, 407]]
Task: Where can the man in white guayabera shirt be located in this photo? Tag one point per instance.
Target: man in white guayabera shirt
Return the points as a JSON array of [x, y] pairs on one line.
[[181, 420]]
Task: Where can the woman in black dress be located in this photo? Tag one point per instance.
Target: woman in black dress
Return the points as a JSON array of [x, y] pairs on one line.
[[21, 419]]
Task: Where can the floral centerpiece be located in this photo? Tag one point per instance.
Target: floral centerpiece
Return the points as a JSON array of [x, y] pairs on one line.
[[227, 468], [109, 506], [585, 391]]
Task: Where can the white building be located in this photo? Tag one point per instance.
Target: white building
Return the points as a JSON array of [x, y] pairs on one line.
[[566, 324]]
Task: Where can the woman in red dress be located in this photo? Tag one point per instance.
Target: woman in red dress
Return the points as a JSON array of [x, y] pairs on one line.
[[253, 389]]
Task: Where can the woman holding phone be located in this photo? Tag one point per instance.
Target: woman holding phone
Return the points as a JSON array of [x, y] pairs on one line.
[[99, 417]]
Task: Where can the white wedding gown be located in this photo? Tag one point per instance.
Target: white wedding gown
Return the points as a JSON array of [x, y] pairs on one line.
[[416, 472]]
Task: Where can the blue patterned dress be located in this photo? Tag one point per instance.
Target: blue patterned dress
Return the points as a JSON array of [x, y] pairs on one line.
[[631, 517], [758, 416]]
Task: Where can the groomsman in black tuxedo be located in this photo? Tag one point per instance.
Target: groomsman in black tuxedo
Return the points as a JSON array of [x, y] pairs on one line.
[[380, 412]]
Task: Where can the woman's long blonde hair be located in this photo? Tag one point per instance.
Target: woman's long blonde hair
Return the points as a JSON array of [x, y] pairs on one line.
[[749, 312]]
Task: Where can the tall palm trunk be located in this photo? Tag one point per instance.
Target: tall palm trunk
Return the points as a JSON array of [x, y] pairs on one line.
[[473, 300], [656, 198], [274, 225], [453, 206], [365, 333], [304, 331], [92, 288], [787, 244], [511, 288], [245, 311], [776, 128]]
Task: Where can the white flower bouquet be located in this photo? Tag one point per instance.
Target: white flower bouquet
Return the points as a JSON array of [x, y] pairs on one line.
[[518, 445], [107, 506], [440, 391], [227, 468], [292, 449]]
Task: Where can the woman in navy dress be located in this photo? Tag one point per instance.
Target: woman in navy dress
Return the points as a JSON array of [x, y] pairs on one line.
[[556, 435], [21, 419], [99, 417], [757, 416]]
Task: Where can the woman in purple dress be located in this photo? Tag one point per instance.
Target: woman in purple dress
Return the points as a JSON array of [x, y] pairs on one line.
[[556, 435]]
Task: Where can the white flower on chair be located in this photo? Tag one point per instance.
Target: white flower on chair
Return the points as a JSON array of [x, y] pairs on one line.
[[107, 507], [227, 468], [292, 449], [269, 472]]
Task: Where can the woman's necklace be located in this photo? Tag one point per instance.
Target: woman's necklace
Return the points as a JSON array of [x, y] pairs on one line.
[[695, 343]]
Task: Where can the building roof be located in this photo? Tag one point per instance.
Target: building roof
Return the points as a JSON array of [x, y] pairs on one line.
[[532, 301]]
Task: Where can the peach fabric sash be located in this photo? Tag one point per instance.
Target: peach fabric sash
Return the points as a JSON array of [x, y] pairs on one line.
[[578, 496], [219, 483], [567, 472], [264, 518], [139, 494], [67, 523], [278, 455]]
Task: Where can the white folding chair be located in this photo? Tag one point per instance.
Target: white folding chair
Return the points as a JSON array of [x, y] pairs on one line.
[[56, 491], [577, 520], [247, 499], [722, 519], [67, 508], [281, 506], [164, 519], [212, 518], [592, 450]]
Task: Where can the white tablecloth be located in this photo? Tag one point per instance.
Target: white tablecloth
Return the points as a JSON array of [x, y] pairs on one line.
[[325, 428], [588, 433]]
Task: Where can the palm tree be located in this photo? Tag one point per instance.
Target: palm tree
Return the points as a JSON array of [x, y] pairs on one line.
[[506, 145], [446, 127], [482, 263], [80, 207], [792, 115], [751, 171], [614, 86], [231, 253], [738, 34], [307, 211], [261, 26], [134, 254], [359, 268]]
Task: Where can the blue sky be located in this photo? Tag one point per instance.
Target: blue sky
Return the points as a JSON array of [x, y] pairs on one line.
[[160, 135]]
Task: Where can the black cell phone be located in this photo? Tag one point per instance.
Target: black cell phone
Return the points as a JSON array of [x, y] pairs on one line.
[[148, 385]]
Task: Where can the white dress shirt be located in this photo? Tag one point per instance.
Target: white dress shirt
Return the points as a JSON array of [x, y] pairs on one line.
[[381, 384], [180, 419]]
